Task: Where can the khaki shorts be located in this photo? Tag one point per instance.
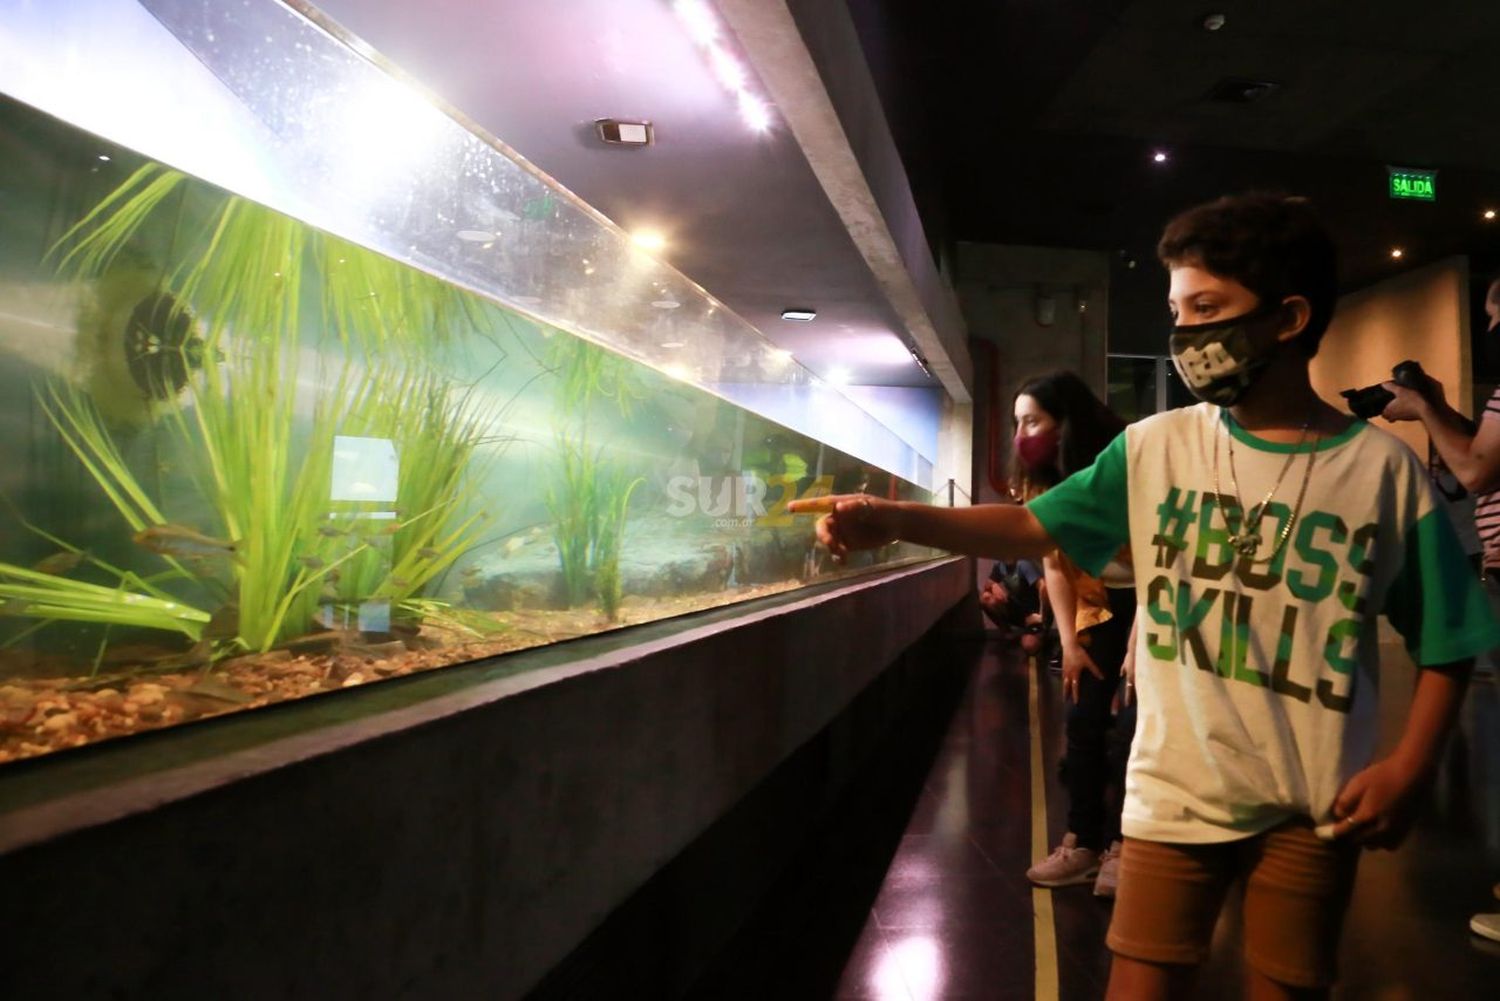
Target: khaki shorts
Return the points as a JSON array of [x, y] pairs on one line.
[[1296, 891]]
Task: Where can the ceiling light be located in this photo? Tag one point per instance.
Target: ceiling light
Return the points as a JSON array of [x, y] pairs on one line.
[[730, 73], [1397, 253], [1489, 215], [649, 239], [1242, 90], [672, 344], [754, 111], [800, 315], [475, 235], [1160, 156], [1213, 22], [699, 19], [703, 25], [666, 304], [104, 157], [620, 132], [839, 376]]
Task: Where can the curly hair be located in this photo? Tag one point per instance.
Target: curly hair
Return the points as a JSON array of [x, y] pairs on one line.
[[1272, 244], [1085, 425]]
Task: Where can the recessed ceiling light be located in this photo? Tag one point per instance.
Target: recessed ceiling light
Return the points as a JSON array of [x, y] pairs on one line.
[[649, 239], [730, 73], [799, 315], [475, 235], [699, 20], [1489, 214], [672, 344], [1242, 90], [104, 157], [666, 304], [1397, 253], [1160, 156], [754, 111], [618, 132]]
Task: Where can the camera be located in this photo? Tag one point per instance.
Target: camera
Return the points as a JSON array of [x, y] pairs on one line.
[[1370, 401]]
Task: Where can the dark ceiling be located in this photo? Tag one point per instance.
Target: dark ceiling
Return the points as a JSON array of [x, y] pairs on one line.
[[1035, 121]]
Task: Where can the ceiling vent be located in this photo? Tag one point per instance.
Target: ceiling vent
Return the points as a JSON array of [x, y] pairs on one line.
[[1239, 90]]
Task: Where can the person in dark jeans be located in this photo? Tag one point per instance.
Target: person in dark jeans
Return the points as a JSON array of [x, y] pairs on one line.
[[1061, 426]]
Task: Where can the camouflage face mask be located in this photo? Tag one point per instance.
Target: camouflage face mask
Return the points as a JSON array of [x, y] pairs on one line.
[[1219, 361]]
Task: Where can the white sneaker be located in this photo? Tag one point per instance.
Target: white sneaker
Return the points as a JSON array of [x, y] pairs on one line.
[[1109, 871], [1068, 865], [1486, 925]]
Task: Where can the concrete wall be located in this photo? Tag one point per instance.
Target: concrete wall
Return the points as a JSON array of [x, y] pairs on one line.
[[998, 289], [384, 844], [1421, 314]]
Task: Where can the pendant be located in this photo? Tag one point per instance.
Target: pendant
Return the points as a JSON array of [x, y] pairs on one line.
[[1245, 544]]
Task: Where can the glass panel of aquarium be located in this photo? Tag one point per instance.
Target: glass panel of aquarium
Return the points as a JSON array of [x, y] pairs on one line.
[[251, 459], [274, 102]]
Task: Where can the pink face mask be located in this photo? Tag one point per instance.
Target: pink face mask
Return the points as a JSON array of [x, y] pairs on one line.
[[1038, 450]]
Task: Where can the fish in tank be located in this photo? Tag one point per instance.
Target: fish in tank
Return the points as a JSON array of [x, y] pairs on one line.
[[250, 461]]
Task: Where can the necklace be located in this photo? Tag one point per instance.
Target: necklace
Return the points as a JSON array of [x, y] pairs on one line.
[[1246, 541]]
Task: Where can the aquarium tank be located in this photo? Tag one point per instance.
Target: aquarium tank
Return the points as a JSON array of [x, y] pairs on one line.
[[280, 423]]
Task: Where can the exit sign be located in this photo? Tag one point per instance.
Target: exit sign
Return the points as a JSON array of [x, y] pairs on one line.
[[1417, 185]]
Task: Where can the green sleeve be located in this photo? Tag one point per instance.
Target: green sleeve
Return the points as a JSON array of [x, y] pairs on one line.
[[1436, 601], [1088, 514]]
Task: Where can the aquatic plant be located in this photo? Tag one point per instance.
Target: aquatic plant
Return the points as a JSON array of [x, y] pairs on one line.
[[52, 598], [589, 498], [612, 505], [438, 433], [267, 477]]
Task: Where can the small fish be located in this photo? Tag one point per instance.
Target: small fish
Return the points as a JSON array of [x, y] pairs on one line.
[[428, 553], [513, 545], [212, 688], [331, 531], [332, 576], [312, 562], [58, 563], [179, 540], [400, 582], [224, 624], [472, 573]]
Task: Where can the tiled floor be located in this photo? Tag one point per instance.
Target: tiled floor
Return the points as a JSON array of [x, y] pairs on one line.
[[953, 917]]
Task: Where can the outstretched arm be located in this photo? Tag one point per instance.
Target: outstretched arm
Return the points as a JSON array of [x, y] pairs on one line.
[[857, 521]]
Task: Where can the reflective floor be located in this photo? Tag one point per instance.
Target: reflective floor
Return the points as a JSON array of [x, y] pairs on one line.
[[953, 916]]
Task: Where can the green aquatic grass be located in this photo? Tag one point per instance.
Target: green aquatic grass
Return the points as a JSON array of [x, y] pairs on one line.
[[244, 270], [613, 506], [589, 498], [440, 437], [52, 598]]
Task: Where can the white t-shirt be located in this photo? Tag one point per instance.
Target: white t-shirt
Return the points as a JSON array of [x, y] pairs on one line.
[[1257, 681]]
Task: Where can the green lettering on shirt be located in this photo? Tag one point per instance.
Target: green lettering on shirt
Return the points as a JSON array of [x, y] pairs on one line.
[[1215, 538], [1328, 568], [1161, 649]]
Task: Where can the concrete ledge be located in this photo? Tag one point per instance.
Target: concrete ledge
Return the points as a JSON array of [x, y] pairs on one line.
[[455, 846]]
